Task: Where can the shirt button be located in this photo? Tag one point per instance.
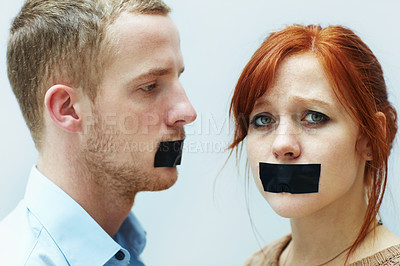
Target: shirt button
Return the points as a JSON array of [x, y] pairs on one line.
[[120, 255]]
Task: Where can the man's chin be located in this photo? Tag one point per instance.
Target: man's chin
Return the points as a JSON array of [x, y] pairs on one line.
[[165, 179]]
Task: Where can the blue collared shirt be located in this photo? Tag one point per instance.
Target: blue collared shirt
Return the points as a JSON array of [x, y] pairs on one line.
[[49, 228]]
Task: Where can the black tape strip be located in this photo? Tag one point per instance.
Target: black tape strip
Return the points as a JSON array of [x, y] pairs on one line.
[[290, 178], [169, 154]]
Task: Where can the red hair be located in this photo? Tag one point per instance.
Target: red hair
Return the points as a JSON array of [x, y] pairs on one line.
[[357, 80]]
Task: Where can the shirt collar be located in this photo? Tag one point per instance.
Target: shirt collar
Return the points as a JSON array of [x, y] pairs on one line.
[[78, 236], [131, 236]]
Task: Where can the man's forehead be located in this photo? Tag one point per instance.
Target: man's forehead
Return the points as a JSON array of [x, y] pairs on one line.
[[141, 28], [142, 37], [142, 46]]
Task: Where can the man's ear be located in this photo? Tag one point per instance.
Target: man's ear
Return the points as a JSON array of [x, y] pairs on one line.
[[62, 104], [364, 143]]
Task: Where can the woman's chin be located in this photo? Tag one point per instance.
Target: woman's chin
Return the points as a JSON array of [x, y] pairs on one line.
[[289, 205]]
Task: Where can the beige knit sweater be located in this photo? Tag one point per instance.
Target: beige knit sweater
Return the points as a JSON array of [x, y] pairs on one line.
[[269, 255]]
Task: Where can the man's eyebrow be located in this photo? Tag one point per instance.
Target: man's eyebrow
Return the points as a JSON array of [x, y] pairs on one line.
[[157, 72], [154, 72]]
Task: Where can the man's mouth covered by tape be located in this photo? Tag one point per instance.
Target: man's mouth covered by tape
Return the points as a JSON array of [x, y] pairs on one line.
[[169, 154]]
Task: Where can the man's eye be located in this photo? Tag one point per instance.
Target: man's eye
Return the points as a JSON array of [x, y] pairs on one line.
[[313, 117], [148, 87], [262, 120]]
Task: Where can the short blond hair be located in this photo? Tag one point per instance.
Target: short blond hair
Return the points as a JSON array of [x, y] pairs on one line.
[[63, 41]]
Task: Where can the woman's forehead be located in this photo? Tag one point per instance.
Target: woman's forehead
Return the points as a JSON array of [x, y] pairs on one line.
[[300, 78]]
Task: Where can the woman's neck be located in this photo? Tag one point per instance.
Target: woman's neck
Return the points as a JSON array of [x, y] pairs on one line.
[[319, 237]]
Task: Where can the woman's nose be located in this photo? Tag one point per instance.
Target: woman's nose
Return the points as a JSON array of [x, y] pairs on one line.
[[286, 145]]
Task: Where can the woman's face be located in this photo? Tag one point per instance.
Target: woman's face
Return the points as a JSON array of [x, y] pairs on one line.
[[299, 120]]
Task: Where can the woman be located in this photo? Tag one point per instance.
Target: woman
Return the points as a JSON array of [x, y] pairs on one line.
[[313, 107]]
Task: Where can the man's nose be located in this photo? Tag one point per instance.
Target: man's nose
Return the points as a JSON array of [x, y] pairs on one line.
[[180, 111], [286, 145]]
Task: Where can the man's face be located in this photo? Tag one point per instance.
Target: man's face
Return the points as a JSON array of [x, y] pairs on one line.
[[140, 103]]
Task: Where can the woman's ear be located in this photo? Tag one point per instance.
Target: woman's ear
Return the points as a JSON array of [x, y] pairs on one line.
[[62, 104], [364, 142], [382, 119]]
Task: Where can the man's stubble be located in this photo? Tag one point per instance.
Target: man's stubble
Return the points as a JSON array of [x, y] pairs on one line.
[[99, 155]]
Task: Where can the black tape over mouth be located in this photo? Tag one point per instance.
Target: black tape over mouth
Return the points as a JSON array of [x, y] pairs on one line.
[[169, 154], [290, 178]]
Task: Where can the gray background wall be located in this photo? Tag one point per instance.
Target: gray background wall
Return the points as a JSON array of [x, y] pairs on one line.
[[203, 220]]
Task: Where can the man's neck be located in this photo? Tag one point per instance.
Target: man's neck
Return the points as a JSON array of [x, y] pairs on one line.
[[102, 203]]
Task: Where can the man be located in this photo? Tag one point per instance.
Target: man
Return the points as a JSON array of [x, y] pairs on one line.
[[98, 85]]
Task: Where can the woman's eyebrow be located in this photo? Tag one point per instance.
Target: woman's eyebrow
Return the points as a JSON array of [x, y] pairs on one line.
[[300, 100], [314, 101]]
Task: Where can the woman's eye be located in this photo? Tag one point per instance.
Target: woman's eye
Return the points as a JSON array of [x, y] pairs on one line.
[[262, 121], [148, 87], [313, 117]]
